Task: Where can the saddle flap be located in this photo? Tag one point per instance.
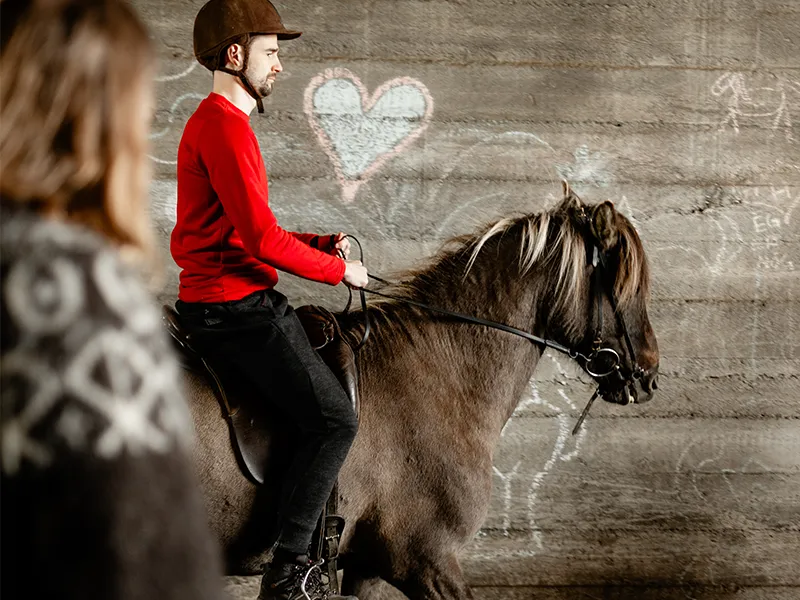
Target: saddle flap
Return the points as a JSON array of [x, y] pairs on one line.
[[251, 440], [319, 324], [326, 338], [188, 357]]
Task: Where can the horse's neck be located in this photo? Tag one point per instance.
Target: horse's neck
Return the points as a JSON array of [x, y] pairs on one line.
[[481, 373]]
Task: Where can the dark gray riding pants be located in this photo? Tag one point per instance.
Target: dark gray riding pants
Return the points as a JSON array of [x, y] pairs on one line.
[[260, 340]]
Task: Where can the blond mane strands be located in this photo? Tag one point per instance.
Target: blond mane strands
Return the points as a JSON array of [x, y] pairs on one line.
[[534, 249], [500, 227], [534, 240]]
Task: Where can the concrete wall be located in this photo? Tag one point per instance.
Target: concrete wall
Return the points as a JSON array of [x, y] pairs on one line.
[[687, 115]]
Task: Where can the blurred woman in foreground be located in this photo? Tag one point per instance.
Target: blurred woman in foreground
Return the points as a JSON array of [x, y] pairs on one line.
[[97, 496]]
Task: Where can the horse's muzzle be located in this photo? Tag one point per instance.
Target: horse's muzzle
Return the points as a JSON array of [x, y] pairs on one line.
[[646, 385], [618, 388]]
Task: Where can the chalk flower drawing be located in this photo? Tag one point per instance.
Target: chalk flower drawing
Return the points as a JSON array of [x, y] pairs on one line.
[[360, 133], [746, 101], [588, 167]]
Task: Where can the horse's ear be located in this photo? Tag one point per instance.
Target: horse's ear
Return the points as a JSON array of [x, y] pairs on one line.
[[604, 225], [571, 200]]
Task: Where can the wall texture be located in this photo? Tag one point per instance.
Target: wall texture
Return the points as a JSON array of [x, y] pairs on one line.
[[406, 122]]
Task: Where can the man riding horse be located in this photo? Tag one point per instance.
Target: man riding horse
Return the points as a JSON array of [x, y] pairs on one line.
[[229, 244]]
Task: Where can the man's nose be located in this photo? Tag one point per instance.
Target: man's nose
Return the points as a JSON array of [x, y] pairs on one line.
[[277, 67]]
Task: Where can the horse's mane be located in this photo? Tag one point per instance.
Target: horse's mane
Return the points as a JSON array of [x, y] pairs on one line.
[[554, 234], [538, 244], [552, 239]]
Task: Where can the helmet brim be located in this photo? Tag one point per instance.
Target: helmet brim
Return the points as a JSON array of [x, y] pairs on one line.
[[288, 34]]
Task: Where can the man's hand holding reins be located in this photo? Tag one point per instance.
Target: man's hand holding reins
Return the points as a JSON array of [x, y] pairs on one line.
[[341, 245], [336, 244], [355, 274]]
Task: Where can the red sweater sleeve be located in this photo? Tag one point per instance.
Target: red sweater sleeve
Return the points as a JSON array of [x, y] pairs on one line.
[[304, 237], [230, 152]]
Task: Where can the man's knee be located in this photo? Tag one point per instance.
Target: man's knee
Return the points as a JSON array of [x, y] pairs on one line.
[[336, 417], [349, 425], [345, 422]]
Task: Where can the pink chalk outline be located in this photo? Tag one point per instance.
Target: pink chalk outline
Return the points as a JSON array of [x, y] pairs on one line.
[[350, 186]]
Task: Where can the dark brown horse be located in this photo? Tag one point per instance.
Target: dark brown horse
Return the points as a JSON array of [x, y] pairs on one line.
[[436, 393]]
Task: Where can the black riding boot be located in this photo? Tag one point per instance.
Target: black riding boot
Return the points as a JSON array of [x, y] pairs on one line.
[[298, 580]]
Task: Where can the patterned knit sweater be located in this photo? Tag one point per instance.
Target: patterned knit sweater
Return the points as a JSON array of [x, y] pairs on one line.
[[98, 497]]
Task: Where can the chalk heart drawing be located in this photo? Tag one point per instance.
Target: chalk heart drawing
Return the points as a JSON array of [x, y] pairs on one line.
[[359, 132]]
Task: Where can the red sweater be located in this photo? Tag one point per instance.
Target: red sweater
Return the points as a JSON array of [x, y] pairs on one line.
[[226, 240]]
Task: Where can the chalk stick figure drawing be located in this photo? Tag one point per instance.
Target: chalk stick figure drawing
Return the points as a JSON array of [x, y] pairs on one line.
[[768, 103], [524, 480]]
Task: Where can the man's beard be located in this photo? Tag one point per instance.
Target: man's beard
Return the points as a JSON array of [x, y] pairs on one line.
[[263, 88]]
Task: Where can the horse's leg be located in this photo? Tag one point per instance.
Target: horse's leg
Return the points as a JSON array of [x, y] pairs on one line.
[[436, 580]]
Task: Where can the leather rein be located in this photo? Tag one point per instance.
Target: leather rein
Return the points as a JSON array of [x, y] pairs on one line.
[[602, 363]]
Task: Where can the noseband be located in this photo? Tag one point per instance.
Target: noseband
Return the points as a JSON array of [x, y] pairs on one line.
[[602, 363]]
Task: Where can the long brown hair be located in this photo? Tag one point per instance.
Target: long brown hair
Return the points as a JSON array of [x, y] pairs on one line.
[[75, 108]]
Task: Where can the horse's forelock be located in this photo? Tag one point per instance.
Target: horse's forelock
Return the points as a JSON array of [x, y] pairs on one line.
[[633, 276]]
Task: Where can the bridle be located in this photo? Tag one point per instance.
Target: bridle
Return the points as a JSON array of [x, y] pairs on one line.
[[602, 363], [610, 377]]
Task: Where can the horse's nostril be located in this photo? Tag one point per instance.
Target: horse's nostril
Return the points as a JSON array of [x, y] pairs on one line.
[[650, 383]]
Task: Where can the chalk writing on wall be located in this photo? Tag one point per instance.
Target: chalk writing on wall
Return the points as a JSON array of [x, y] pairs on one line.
[[771, 105], [755, 223], [359, 132]]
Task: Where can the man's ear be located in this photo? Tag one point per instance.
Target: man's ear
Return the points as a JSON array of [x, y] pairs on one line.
[[234, 57], [604, 225]]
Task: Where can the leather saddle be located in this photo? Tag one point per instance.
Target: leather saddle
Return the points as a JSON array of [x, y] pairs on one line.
[[248, 424]]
